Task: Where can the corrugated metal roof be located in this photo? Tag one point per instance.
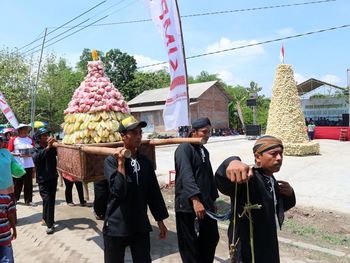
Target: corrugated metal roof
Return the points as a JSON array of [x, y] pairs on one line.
[[160, 95], [312, 84], [152, 108]]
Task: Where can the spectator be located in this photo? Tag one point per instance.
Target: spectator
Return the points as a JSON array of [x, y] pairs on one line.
[[21, 147], [46, 175], [69, 181], [311, 130]]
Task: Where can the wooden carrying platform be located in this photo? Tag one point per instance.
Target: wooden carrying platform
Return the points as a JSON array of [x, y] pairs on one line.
[[84, 162]]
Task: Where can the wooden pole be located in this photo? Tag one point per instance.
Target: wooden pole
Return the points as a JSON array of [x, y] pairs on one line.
[[185, 64]]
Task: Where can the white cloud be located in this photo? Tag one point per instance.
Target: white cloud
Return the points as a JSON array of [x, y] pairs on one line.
[[287, 31], [226, 76], [225, 43], [331, 79], [145, 61], [299, 78]]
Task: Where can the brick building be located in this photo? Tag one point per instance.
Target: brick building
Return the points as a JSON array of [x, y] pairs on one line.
[[207, 99]]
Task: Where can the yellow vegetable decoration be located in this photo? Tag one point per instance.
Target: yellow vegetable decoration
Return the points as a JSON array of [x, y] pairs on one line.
[[94, 54]]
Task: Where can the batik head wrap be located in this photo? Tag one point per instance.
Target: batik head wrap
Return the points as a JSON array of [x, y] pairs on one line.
[[266, 143]]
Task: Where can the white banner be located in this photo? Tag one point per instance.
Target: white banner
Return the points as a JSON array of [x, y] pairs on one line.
[[166, 19], [5, 108]]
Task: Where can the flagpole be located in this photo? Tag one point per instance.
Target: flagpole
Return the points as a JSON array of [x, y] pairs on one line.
[[185, 64]]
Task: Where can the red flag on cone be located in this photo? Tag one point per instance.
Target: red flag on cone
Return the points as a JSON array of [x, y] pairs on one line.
[[282, 54]]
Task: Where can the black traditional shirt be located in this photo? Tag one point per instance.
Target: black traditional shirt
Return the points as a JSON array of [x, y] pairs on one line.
[[194, 177], [130, 195], [45, 163], [264, 222]]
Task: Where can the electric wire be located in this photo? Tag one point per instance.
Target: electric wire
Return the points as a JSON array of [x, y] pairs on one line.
[[69, 35], [77, 26], [63, 25], [220, 12], [254, 44]]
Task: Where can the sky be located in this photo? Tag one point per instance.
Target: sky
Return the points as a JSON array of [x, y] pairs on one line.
[[324, 56]]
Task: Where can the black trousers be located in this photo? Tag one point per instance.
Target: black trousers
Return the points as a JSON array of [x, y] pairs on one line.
[[114, 248], [68, 191], [195, 248], [101, 191], [47, 192], [26, 181]]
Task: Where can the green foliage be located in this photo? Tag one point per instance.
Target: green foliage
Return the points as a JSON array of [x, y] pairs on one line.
[[14, 84], [120, 68], [204, 76], [55, 90], [85, 58], [147, 81], [57, 83], [240, 95]]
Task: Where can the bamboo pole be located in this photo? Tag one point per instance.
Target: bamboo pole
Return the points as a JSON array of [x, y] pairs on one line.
[[110, 148]]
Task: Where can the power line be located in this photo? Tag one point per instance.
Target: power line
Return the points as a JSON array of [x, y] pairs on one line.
[[220, 12], [69, 34], [27, 51], [254, 44], [57, 28], [79, 25]]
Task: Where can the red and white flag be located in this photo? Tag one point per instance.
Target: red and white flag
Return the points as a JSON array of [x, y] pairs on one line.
[[5, 108], [282, 54], [166, 19]]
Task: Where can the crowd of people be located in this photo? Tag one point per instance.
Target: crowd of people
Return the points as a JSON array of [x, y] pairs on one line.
[[184, 131], [22, 159], [131, 189]]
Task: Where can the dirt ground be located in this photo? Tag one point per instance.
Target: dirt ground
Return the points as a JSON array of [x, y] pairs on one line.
[[323, 228]]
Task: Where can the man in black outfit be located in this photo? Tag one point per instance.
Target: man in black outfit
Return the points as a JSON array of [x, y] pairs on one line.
[[195, 192], [275, 197], [133, 188], [46, 175]]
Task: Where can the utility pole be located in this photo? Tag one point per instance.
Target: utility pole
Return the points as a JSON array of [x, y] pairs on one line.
[[34, 87], [254, 110]]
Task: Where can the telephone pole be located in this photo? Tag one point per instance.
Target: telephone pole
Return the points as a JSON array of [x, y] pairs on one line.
[[34, 87]]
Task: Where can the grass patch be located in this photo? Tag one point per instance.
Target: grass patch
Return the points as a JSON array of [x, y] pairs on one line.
[[315, 233]]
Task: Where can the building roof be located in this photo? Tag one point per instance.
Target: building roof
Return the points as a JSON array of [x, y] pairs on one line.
[[159, 96], [312, 84], [152, 108]]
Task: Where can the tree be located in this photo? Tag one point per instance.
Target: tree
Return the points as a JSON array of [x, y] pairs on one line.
[[240, 95], [120, 68], [204, 76], [15, 84], [56, 88], [146, 81], [85, 58]]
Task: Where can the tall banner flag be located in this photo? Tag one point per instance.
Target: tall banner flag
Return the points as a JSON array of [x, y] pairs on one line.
[[5, 108], [282, 54], [167, 20]]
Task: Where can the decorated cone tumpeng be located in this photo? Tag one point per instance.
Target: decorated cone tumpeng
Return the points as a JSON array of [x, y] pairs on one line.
[[286, 118], [96, 108]]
